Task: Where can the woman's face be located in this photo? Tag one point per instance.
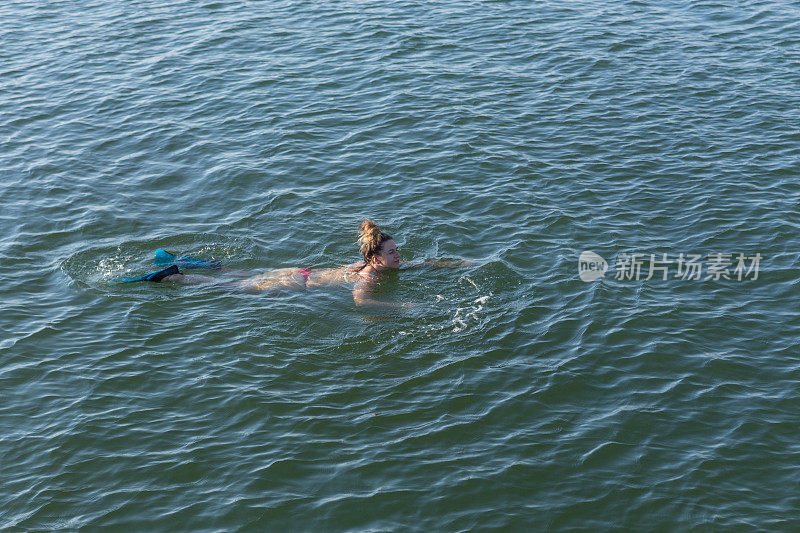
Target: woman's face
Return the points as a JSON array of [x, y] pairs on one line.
[[389, 256]]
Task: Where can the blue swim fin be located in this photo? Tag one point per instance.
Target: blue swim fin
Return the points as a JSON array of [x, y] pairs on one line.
[[164, 257], [153, 276]]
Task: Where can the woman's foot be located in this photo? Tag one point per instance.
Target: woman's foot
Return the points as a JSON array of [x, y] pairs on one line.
[[155, 277]]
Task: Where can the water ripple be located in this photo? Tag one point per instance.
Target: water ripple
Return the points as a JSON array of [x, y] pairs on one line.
[[514, 134]]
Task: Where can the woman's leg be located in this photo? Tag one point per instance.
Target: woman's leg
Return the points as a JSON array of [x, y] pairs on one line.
[[284, 277], [273, 279], [236, 272], [194, 279]]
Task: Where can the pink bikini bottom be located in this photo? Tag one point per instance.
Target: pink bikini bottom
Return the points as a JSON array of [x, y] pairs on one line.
[[305, 272]]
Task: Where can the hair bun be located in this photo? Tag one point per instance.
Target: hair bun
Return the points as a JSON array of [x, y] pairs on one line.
[[371, 238]]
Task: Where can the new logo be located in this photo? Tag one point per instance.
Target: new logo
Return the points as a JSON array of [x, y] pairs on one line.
[[591, 266]]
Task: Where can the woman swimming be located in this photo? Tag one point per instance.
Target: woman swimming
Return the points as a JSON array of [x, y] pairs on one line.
[[378, 249]]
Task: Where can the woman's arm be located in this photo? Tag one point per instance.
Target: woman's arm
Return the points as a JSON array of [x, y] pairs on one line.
[[361, 296], [369, 302], [439, 263]]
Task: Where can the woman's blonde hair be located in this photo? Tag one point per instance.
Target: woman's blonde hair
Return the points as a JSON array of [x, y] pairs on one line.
[[371, 239]]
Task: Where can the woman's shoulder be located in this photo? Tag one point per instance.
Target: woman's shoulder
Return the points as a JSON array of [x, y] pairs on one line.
[[364, 283], [364, 279], [355, 267]]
